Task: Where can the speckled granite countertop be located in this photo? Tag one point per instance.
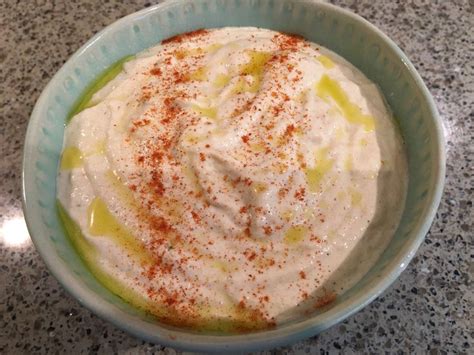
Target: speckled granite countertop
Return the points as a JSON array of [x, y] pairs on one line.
[[428, 310]]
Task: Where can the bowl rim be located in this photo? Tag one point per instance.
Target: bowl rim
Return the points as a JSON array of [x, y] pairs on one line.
[[285, 334]]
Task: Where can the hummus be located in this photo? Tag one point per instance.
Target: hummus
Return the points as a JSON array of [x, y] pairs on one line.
[[232, 179]]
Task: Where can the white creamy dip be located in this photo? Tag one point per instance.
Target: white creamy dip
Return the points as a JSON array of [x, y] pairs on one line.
[[232, 179]]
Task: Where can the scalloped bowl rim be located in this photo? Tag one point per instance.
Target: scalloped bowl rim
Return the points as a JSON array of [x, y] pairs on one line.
[[284, 334]]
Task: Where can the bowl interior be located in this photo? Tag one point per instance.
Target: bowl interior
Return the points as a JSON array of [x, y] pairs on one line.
[[346, 34]]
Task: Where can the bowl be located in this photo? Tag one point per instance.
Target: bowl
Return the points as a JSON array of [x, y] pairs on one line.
[[341, 31]]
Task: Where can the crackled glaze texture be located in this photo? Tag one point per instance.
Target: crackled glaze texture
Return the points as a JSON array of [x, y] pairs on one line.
[[426, 310]]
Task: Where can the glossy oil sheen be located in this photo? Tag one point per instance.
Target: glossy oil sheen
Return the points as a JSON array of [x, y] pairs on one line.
[[71, 158], [328, 87], [103, 223], [84, 100], [89, 254], [345, 33]]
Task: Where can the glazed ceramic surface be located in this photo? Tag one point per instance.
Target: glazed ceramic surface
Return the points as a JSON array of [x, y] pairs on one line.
[[343, 32]]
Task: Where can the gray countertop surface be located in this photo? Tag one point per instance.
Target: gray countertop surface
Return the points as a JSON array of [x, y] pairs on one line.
[[427, 310]]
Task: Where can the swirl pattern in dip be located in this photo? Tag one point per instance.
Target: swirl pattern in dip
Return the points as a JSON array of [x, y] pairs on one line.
[[232, 179]]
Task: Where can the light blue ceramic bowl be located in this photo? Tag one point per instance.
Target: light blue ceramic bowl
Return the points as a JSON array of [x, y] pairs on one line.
[[341, 31]]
